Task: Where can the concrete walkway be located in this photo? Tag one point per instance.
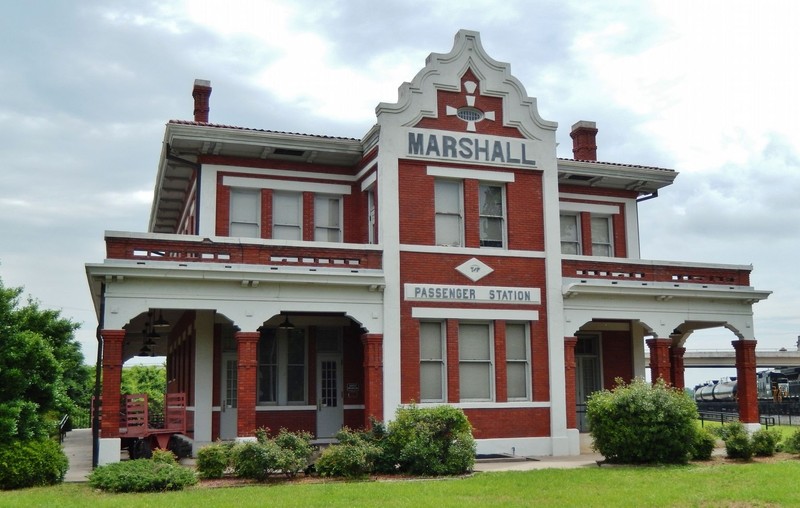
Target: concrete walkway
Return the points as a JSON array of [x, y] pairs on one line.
[[78, 448]]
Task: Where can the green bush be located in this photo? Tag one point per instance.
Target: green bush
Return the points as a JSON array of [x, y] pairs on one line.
[[703, 444], [287, 453], [640, 423], [428, 441], [353, 457], [164, 457], [765, 442], [738, 444], [297, 450], [214, 459], [255, 460], [141, 476], [792, 443], [31, 463]]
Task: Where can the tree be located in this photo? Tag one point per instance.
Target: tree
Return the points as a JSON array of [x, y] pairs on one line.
[[39, 361], [59, 332], [149, 379]]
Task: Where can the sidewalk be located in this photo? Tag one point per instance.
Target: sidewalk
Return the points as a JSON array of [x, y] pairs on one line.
[[587, 458], [78, 449]]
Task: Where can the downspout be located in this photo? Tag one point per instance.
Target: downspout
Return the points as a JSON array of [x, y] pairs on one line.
[[646, 197], [97, 378], [197, 166]]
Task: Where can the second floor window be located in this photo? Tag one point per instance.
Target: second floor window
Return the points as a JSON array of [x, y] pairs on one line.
[[449, 213], [245, 213], [328, 218], [601, 236], [287, 216], [492, 215], [570, 235]]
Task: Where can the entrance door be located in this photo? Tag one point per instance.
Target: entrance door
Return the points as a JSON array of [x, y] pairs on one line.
[[228, 397], [330, 410], [587, 374], [330, 413]]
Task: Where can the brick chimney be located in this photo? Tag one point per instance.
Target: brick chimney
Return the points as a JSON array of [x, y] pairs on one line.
[[201, 93], [584, 141]]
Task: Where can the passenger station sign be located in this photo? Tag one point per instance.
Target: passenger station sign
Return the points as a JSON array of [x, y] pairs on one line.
[[476, 294]]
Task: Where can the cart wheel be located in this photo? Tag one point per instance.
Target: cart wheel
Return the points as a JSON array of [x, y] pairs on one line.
[[141, 449]]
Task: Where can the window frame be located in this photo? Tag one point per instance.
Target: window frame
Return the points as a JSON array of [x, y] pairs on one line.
[[502, 217], [298, 197], [281, 366], [526, 331], [372, 216], [578, 234], [610, 231], [439, 214], [338, 228], [442, 361], [490, 362], [234, 210]]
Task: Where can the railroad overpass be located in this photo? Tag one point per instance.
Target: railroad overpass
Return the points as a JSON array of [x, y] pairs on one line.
[[721, 358]]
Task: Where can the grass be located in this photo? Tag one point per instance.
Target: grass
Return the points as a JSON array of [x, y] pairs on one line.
[[747, 484]]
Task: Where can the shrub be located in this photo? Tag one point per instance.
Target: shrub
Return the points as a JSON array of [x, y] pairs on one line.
[[214, 459], [297, 450], [703, 444], [429, 441], [641, 422], [141, 476], [792, 443], [164, 457], [765, 442], [738, 444], [31, 463], [256, 460], [353, 457], [287, 453]]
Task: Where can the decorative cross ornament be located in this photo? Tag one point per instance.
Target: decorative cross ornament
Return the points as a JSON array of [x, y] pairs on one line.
[[469, 113]]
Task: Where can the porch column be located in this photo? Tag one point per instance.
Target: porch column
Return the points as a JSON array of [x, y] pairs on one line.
[[247, 363], [746, 380], [569, 381], [677, 367], [373, 377], [659, 359], [112, 377]]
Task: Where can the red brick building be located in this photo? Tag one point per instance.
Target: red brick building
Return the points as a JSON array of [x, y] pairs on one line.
[[448, 257]]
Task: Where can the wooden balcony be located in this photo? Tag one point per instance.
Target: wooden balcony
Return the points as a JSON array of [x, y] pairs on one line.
[[656, 271], [194, 249]]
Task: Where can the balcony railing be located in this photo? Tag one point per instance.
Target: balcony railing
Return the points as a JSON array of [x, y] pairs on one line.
[[656, 271], [193, 249]]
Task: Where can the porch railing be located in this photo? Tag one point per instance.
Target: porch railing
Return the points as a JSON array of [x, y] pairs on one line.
[[194, 249], [648, 271]]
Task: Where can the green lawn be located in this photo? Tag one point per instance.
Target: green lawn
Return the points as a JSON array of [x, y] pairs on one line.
[[747, 484]]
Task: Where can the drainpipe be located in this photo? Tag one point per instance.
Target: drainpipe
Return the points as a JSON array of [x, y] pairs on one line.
[[97, 377]]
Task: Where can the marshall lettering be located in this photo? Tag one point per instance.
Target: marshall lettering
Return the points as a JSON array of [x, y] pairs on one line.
[[468, 148]]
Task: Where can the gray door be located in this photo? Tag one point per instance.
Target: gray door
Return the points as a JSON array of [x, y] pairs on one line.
[[588, 378], [229, 396]]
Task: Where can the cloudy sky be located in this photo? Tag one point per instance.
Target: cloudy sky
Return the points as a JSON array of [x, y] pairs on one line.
[[709, 89]]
